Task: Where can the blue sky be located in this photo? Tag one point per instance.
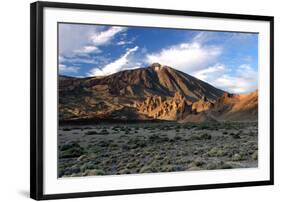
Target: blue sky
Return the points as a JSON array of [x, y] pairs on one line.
[[227, 60]]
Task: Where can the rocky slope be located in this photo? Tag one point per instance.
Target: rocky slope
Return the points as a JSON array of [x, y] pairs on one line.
[[229, 107], [153, 93], [173, 108]]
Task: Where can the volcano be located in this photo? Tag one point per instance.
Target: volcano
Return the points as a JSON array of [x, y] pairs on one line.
[[156, 92]]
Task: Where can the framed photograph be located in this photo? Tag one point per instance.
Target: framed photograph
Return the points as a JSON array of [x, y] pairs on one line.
[[136, 100]]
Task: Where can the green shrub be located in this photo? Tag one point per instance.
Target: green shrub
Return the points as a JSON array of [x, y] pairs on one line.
[[94, 172], [104, 132], [115, 128], [103, 143], [125, 147], [142, 143], [235, 136], [226, 166], [237, 157], [124, 171], [177, 138], [199, 163], [167, 168], [146, 169], [205, 136], [72, 152], [93, 132], [87, 166], [131, 165], [216, 152], [255, 155], [68, 145]]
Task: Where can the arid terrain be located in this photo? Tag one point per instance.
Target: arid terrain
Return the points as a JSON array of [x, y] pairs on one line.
[[109, 149], [153, 119]]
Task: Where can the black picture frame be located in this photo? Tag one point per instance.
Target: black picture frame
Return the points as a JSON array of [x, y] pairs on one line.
[[36, 99]]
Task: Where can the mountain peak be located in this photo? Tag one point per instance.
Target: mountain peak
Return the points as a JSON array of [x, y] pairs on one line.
[[157, 66]]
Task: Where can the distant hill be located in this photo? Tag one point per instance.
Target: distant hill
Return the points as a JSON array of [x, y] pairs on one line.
[[153, 93]]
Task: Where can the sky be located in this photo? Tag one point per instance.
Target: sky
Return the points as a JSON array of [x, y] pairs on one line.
[[226, 60]]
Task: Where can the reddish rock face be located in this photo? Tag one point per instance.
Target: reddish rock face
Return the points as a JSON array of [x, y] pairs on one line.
[[172, 108], [202, 105]]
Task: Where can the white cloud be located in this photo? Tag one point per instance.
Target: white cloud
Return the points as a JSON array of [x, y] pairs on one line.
[[186, 57], [247, 72], [242, 36], [67, 69], [119, 64], [88, 49], [84, 39], [86, 59], [235, 84], [98, 39], [106, 36], [74, 36], [243, 79], [209, 73], [202, 37], [61, 59], [123, 42], [120, 43]]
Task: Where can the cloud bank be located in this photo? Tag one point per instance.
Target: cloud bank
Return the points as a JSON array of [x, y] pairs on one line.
[[106, 36], [242, 79], [186, 57], [68, 69], [119, 64]]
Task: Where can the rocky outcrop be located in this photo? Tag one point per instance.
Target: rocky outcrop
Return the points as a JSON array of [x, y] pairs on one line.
[[229, 107], [172, 108], [202, 105], [241, 107]]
